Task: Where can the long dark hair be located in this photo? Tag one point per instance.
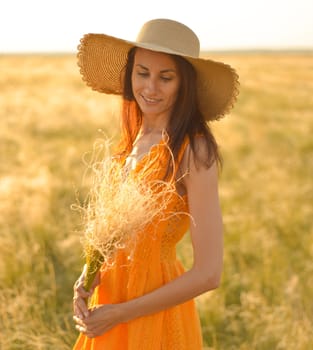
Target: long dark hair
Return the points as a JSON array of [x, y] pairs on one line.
[[186, 118]]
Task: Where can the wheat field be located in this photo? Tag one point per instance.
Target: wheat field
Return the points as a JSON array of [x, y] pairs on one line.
[[50, 119]]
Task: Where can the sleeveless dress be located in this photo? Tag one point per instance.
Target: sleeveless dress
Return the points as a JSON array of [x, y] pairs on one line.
[[153, 264]]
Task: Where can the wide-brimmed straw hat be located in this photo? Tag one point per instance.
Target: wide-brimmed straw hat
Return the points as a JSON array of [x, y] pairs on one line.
[[102, 59]]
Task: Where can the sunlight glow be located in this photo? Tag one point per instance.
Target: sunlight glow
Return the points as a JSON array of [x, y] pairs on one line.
[[56, 26]]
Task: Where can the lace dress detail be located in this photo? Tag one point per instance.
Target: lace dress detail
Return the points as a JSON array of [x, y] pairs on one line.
[[153, 264]]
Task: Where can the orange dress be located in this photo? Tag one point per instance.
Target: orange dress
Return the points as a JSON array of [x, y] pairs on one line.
[[153, 264]]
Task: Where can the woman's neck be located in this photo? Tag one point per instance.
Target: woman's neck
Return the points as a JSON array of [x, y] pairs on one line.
[[145, 130], [153, 125]]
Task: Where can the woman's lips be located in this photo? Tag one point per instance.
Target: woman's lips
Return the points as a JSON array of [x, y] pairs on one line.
[[150, 100]]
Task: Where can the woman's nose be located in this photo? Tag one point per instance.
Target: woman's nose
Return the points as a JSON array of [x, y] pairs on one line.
[[151, 85]]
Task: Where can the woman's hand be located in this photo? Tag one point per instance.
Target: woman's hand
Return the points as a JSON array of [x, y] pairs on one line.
[[80, 307], [101, 318]]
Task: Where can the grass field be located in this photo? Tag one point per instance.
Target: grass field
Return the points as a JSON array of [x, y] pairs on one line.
[[49, 119]]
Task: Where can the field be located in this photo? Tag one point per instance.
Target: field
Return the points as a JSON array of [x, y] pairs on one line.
[[49, 120]]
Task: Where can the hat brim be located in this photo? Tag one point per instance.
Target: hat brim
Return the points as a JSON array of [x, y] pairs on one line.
[[102, 60]]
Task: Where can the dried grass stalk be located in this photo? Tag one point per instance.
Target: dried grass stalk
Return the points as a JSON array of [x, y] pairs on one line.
[[119, 205]]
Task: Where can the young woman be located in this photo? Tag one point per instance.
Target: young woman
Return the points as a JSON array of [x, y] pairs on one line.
[[169, 95]]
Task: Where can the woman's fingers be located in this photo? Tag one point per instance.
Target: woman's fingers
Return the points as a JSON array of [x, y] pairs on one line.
[[81, 291], [100, 320], [81, 327], [80, 307], [79, 301], [87, 328], [78, 321]]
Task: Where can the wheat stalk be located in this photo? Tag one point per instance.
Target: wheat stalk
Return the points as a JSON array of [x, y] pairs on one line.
[[119, 206]]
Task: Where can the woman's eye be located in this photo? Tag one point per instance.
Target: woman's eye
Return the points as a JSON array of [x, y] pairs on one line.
[[166, 78], [143, 74]]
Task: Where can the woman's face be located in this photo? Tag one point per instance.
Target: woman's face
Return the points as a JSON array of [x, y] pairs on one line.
[[155, 82]]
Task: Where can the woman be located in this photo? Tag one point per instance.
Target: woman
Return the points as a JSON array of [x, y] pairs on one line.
[[167, 90]]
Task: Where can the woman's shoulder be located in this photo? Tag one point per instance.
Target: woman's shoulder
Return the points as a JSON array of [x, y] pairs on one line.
[[195, 146], [196, 152]]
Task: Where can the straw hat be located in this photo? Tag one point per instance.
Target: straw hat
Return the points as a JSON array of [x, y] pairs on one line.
[[102, 59]]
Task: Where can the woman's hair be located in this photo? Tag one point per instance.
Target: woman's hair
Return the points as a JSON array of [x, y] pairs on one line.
[[185, 119]]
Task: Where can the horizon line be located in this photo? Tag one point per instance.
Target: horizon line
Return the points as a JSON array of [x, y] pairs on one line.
[[203, 51]]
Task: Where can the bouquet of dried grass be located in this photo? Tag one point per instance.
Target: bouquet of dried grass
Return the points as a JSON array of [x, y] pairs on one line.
[[118, 206]]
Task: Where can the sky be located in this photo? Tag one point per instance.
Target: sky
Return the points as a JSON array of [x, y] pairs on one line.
[[57, 25]]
